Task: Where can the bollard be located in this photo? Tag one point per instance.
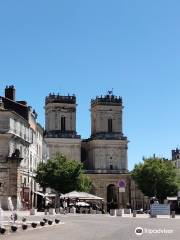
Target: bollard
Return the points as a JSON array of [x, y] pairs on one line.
[[33, 211], [73, 210], [57, 210], [113, 212], [119, 212], [127, 211], [51, 211], [61, 210], [134, 213], [173, 214]]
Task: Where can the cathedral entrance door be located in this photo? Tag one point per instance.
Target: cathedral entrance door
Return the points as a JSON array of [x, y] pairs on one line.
[[112, 197]]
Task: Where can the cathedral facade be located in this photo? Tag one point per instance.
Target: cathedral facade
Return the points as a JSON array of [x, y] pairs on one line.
[[104, 153]]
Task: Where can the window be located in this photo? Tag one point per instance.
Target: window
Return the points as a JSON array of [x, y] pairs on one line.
[[24, 182], [109, 125], [31, 162], [14, 126], [63, 123], [21, 151]]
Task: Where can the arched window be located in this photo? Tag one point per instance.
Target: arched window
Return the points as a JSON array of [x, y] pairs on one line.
[[63, 123], [110, 125]]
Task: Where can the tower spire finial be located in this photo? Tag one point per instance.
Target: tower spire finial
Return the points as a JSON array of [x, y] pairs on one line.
[[110, 92]]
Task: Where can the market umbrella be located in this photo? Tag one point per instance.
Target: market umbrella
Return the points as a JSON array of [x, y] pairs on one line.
[[80, 195]]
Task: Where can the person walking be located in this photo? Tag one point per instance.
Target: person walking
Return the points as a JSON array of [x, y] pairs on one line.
[[65, 206]]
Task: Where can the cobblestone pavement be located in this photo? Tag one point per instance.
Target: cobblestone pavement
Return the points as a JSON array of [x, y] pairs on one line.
[[88, 227]]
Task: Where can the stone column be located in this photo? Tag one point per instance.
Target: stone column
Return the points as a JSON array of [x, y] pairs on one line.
[[14, 178]]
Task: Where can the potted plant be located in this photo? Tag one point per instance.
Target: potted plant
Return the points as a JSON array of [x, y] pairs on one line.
[[23, 219], [45, 220], [50, 222], [13, 228], [34, 225], [42, 223], [2, 230], [57, 220], [24, 226]]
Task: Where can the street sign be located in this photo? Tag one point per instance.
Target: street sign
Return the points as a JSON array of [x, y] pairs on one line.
[[121, 189], [121, 185], [160, 209]]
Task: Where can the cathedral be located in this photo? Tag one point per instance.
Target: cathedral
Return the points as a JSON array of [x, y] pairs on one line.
[[24, 144], [104, 153]]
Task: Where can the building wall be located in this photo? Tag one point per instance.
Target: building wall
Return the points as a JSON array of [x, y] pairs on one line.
[[106, 154], [59, 140], [132, 195], [4, 168], [69, 147], [18, 131], [102, 181], [11, 172], [54, 112], [100, 115]]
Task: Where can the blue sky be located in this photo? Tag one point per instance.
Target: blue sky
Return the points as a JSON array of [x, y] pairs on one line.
[[90, 46]]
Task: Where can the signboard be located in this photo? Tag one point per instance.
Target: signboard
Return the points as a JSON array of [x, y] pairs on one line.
[[121, 185], [160, 209]]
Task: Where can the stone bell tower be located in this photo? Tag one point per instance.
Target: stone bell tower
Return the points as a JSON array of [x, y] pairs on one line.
[[107, 146], [60, 126], [106, 117]]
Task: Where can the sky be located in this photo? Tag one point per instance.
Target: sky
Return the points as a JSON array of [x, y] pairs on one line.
[[87, 47]]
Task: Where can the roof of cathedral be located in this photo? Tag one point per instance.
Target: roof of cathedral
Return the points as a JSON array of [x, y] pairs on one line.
[[56, 98], [108, 99]]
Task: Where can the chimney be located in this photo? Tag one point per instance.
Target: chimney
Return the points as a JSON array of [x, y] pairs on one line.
[[10, 92]]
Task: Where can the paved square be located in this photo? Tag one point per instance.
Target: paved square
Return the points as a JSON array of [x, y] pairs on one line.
[[88, 227]]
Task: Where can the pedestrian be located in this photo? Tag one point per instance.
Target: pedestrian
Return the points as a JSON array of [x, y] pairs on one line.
[[65, 206], [152, 200]]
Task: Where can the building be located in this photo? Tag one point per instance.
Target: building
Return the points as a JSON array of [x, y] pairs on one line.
[[104, 154], [176, 157], [106, 149], [24, 143], [21, 146], [60, 126]]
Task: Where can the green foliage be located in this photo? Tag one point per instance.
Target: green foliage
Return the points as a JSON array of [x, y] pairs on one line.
[[156, 177], [84, 183], [61, 174]]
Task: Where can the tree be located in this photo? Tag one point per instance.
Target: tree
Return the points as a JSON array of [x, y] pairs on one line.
[[156, 177], [84, 183], [62, 174]]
